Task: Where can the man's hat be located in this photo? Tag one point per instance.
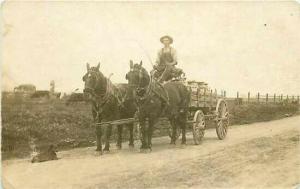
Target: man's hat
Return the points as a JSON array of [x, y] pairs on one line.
[[166, 36]]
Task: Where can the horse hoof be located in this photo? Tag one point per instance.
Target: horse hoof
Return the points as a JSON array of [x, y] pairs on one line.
[[147, 150], [98, 153], [119, 147], [143, 150], [105, 150]]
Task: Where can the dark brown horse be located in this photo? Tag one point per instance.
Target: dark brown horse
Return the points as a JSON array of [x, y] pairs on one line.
[[108, 103], [155, 100], [127, 110]]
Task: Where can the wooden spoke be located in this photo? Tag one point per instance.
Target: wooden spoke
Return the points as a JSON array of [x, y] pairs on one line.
[[222, 119], [198, 127]]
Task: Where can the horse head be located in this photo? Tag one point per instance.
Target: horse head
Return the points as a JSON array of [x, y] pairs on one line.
[[137, 77], [94, 82]]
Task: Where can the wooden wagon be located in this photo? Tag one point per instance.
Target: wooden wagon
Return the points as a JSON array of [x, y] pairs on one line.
[[205, 106]]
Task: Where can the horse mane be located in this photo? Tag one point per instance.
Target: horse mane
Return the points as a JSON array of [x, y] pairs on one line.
[[103, 83], [110, 89], [145, 71]]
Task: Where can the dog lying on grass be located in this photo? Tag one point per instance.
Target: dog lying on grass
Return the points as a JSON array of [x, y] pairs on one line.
[[49, 154]]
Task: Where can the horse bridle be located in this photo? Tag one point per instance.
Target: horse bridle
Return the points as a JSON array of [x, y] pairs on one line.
[[148, 88], [104, 97]]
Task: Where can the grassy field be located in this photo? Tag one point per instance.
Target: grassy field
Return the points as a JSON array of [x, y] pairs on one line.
[[250, 113], [39, 123], [29, 124]]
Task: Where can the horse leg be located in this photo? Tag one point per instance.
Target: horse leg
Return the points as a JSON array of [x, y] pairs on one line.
[[119, 141], [183, 130], [143, 131], [152, 122], [183, 139], [98, 139], [150, 131], [108, 133], [98, 131], [174, 132], [131, 140], [182, 120]]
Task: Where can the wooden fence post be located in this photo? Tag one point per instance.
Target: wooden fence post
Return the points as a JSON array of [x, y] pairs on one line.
[[248, 97], [198, 99], [211, 97], [298, 98], [281, 97], [225, 94], [274, 98], [267, 98], [237, 95], [258, 97], [204, 95]]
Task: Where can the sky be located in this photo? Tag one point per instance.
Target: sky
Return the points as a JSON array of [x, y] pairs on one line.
[[233, 46]]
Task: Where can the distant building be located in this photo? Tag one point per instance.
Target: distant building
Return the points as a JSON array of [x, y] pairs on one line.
[[52, 87], [25, 88], [29, 90]]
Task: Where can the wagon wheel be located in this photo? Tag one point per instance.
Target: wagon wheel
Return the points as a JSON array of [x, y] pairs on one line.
[[198, 127], [222, 119]]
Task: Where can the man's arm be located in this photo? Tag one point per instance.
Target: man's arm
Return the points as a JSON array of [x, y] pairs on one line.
[[157, 61]]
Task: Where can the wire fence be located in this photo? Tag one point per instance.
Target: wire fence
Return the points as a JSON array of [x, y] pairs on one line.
[[265, 98]]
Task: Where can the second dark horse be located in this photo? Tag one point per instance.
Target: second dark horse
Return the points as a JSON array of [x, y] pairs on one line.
[[154, 100], [109, 102]]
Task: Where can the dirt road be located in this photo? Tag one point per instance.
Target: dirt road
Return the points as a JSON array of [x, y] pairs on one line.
[[258, 155]]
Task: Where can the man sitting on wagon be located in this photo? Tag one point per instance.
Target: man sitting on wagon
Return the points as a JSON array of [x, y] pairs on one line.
[[165, 69]]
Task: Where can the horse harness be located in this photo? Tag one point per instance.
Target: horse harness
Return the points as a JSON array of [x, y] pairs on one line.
[[150, 89], [106, 97]]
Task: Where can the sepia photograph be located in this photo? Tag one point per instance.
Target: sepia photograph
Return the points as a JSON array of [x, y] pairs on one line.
[[150, 94]]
